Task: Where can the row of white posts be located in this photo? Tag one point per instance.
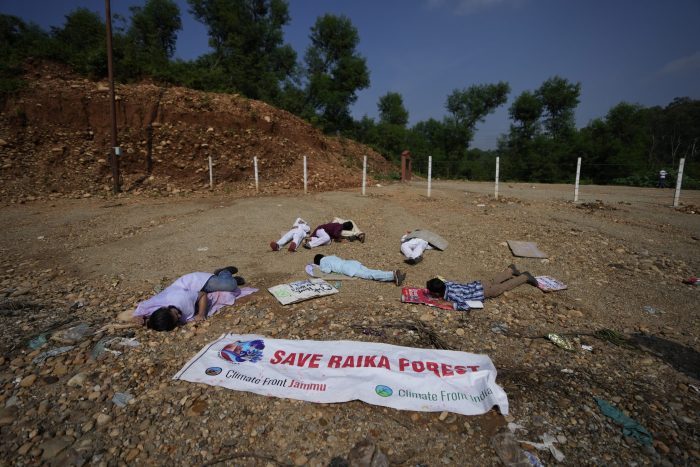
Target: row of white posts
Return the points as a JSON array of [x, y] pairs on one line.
[[430, 176]]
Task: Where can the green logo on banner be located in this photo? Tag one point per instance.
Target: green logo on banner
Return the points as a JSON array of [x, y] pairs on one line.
[[384, 391]]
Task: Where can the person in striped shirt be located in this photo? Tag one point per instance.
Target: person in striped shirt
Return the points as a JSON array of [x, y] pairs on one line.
[[459, 294]]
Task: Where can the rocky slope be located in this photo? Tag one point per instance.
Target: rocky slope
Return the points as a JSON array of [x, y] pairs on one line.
[[55, 139]]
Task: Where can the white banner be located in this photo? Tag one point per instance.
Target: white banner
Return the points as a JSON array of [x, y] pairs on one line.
[[425, 380]]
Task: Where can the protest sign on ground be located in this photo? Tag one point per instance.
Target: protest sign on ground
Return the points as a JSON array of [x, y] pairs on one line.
[[549, 284], [406, 378], [525, 249], [422, 297], [301, 290]]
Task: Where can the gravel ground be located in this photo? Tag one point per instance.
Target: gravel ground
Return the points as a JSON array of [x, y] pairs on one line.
[[71, 261]]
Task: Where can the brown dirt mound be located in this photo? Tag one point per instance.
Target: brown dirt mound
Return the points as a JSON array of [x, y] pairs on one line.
[[55, 139]]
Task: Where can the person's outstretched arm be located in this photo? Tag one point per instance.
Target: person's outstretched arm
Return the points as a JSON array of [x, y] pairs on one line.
[[200, 311]]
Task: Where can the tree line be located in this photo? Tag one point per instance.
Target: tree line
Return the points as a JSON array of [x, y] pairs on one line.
[[248, 55]]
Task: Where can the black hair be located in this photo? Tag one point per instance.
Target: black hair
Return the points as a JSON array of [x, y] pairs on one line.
[[348, 225], [436, 287], [317, 259], [161, 320]]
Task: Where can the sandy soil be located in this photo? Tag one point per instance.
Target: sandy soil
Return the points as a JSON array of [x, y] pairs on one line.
[[88, 259]]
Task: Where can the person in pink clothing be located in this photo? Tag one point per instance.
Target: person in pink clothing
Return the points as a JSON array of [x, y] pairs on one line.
[[189, 298]]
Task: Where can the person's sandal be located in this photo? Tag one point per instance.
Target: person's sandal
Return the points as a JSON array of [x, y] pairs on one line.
[[531, 279], [361, 238], [514, 269], [399, 277]]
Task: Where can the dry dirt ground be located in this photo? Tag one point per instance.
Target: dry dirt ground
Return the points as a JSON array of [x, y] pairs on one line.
[[69, 261]]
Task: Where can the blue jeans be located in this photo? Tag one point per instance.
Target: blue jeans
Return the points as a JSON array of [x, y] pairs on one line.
[[222, 282]]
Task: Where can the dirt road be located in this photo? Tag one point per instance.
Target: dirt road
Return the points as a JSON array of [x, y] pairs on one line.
[[89, 259]]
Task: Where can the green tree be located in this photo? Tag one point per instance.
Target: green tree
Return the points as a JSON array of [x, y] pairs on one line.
[[248, 43], [467, 108], [560, 99], [81, 42], [525, 112], [18, 40], [334, 71], [153, 33], [392, 110]]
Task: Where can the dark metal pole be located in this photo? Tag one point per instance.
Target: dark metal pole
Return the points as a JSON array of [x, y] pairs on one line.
[[114, 161]]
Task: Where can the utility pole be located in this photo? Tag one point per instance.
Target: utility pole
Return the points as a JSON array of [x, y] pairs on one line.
[[114, 156]]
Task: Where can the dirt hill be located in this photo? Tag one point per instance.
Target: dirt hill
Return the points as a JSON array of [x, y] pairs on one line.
[[55, 141]]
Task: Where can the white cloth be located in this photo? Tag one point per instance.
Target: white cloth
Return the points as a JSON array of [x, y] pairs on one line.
[[348, 233], [412, 248], [321, 238], [299, 230]]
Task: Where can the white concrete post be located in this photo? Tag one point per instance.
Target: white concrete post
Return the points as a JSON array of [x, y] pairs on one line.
[[364, 175], [578, 177], [430, 173], [211, 175], [498, 163], [305, 178], [678, 183], [255, 165]]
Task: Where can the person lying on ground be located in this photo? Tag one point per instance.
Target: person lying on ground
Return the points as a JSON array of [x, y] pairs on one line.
[[297, 233], [324, 233], [194, 296], [352, 234], [352, 268], [460, 294], [413, 248]]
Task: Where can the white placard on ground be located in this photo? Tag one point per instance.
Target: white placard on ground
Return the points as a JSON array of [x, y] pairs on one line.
[[301, 290]]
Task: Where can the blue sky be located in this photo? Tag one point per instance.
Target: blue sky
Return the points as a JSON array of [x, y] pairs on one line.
[[641, 51]]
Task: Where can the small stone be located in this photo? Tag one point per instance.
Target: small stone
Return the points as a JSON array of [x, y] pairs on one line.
[[78, 380], [300, 460], [27, 381], [443, 416], [661, 446], [24, 449], [133, 454], [459, 331], [198, 407], [8, 415], [54, 446], [103, 419]]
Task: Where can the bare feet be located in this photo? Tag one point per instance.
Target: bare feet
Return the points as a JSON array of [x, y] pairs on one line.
[[292, 247], [399, 277], [274, 246]]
